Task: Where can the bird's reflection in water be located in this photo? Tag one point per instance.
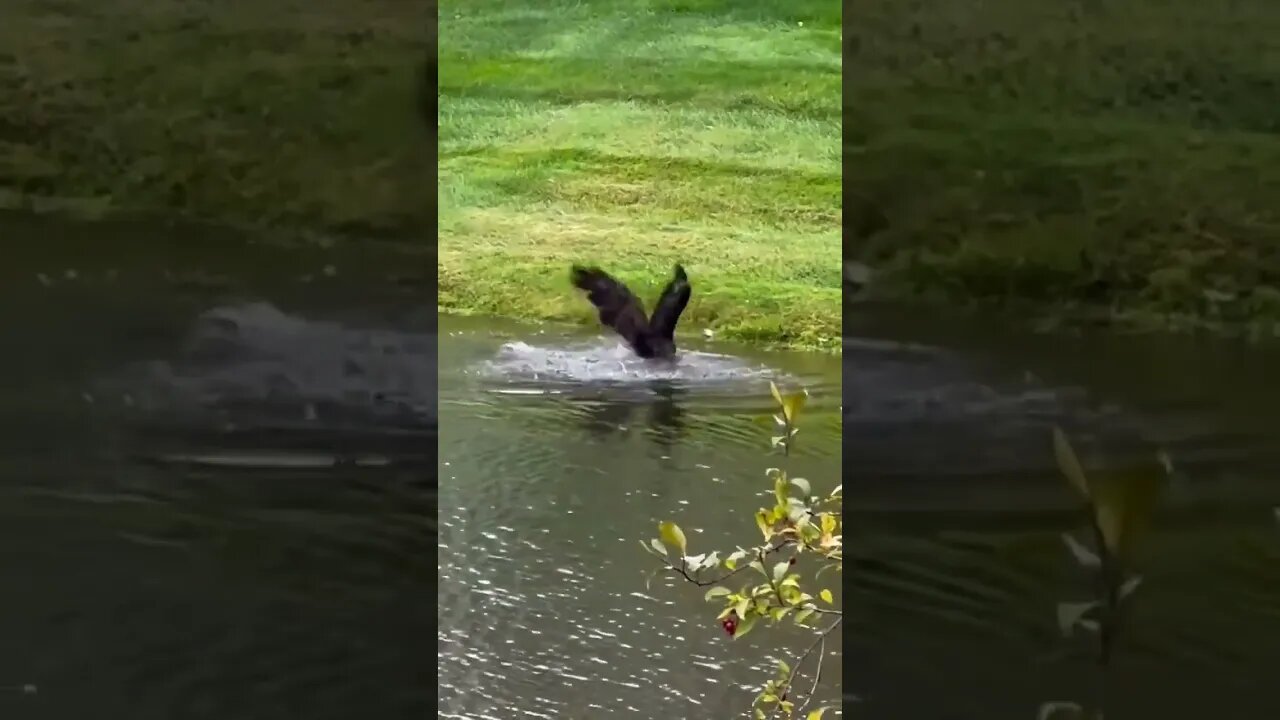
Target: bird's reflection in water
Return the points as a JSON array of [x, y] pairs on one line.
[[664, 418]]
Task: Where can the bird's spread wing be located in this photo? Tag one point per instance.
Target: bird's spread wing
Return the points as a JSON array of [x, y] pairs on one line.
[[618, 308], [675, 296]]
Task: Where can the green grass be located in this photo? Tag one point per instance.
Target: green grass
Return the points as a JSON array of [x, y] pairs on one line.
[[989, 148], [294, 114], [637, 134]]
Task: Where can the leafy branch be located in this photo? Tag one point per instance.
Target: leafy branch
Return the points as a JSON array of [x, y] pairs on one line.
[[798, 524]]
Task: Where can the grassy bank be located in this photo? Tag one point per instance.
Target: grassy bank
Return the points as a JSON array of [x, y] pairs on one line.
[[280, 113], [1118, 159], [634, 135]]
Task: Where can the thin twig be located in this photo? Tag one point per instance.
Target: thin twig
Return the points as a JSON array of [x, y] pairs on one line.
[[817, 675], [682, 569], [820, 641]]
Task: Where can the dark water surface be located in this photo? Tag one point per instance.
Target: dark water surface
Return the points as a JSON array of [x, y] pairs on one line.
[[212, 509], [558, 455], [958, 512], [217, 501]]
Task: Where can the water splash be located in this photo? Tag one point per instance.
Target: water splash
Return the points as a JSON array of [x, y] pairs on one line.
[[613, 363]]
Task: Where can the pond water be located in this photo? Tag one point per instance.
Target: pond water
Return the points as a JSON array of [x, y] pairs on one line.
[[958, 510], [218, 497], [558, 455], [211, 507]]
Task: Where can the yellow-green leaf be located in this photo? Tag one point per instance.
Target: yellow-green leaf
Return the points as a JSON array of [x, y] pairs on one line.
[[763, 523], [825, 594], [815, 714], [731, 562], [673, 535], [793, 404], [828, 523], [1123, 502], [1069, 464], [777, 394]]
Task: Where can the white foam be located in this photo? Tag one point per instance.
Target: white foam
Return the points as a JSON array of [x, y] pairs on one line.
[[603, 361]]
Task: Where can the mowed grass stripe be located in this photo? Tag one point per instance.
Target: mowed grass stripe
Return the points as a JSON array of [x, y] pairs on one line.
[[671, 188], [706, 84], [756, 138], [635, 136]]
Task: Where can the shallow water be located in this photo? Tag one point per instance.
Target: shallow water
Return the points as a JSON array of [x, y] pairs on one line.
[[558, 454]]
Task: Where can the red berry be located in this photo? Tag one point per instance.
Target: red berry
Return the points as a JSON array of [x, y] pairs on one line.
[[730, 623]]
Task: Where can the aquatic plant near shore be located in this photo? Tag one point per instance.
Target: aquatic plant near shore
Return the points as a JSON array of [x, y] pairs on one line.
[[799, 524], [1119, 510]]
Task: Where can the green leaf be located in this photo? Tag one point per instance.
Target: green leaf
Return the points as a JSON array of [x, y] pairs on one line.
[[825, 594], [716, 592], [657, 547], [1129, 586], [745, 626], [815, 714], [731, 562], [803, 615], [1069, 464], [780, 569], [803, 486], [1071, 615], [1083, 555], [673, 535], [777, 394]]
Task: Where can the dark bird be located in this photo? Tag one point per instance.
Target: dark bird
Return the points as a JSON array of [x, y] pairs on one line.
[[649, 337]]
